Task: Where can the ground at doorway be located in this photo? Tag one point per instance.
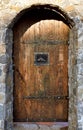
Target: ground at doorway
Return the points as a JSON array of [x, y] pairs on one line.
[[41, 126]]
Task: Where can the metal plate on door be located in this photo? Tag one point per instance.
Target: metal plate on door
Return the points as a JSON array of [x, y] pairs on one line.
[[41, 58]]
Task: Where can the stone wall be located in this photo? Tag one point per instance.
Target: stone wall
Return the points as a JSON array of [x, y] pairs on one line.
[[9, 9]]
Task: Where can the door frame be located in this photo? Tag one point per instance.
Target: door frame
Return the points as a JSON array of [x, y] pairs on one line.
[[47, 7]]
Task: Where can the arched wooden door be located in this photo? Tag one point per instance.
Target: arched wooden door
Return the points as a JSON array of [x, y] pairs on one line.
[[41, 72]]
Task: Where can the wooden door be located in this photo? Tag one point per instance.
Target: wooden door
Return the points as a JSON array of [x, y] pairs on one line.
[[41, 72]]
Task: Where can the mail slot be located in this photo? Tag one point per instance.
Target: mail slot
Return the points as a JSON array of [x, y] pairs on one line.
[[41, 58]]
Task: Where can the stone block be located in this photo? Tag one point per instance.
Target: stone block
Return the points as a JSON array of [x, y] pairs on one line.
[[8, 125], [2, 48], [2, 97], [26, 127], [44, 127], [3, 59], [1, 112], [1, 124], [2, 87], [2, 35], [0, 72], [55, 127]]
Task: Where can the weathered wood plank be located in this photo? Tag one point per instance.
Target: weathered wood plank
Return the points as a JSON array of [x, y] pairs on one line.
[[40, 80]]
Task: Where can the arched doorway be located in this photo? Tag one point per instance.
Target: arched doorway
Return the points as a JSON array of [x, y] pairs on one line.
[[41, 60]]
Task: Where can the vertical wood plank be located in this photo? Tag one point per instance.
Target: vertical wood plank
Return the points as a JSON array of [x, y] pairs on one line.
[[46, 36]]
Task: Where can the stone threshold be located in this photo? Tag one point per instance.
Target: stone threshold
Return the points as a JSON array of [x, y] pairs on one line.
[[40, 125]]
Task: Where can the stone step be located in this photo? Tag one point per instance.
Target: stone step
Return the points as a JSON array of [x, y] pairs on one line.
[[24, 126]]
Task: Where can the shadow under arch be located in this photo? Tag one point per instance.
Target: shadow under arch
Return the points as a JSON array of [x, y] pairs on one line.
[[38, 12], [43, 12]]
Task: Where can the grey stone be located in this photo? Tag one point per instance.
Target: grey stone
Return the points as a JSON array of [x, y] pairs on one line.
[[1, 124], [80, 80], [26, 127], [74, 91], [0, 72], [44, 127], [80, 69], [80, 129], [3, 59], [9, 39], [8, 125], [1, 112], [2, 87], [2, 35], [55, 127], [2, 97]]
